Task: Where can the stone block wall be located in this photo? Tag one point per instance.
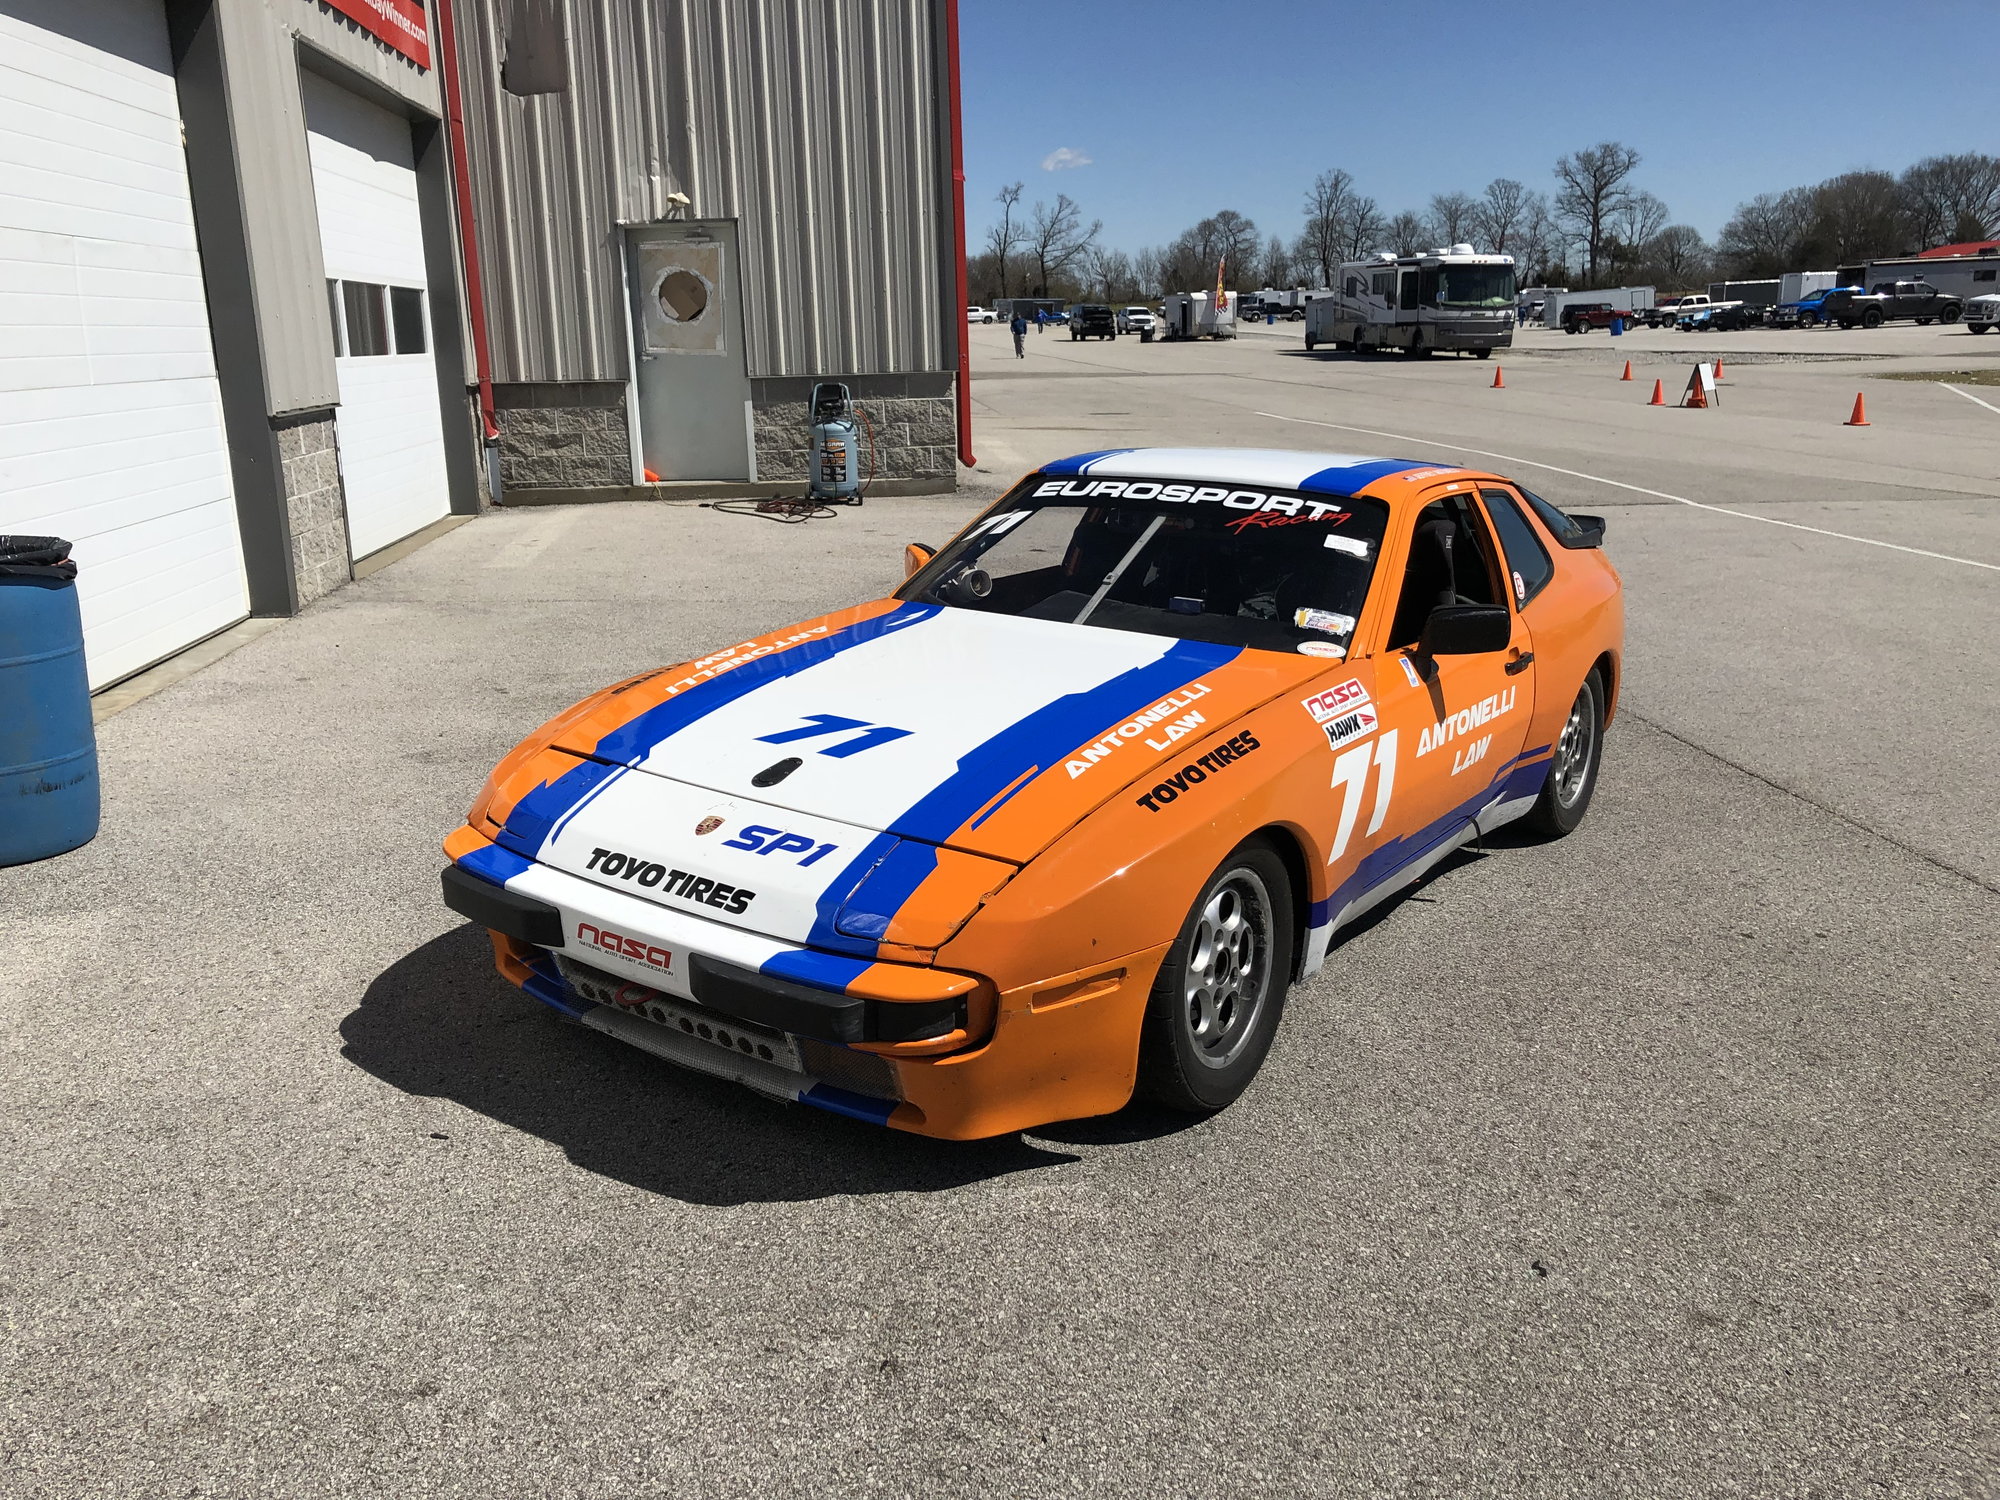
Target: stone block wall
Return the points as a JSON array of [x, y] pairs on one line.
[[564, 447], [915, 437], [315, 504]]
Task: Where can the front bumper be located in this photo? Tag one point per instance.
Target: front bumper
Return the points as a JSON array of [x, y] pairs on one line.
[[915, 1047]]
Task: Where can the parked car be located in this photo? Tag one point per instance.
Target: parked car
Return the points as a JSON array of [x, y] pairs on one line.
[[1579, 317], [1982, 313], [1892, 302], [1139, 320], [979, 315], [972, 902], [1092, 320], [1729, 317]]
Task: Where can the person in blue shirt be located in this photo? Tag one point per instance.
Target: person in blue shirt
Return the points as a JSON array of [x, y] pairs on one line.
[[1041, 319], [1020, 328]]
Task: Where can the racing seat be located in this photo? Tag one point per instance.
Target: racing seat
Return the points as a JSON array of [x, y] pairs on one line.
[[1428, 581]]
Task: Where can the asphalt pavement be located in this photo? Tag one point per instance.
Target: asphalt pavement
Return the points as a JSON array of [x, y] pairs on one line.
[[1655, 1161]]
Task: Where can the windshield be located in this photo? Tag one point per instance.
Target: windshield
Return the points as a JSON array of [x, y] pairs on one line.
[[1275, 570], [1475, 286]]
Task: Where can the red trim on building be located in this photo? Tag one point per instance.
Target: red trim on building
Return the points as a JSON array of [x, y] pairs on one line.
[[1970, 247], [396, 24]]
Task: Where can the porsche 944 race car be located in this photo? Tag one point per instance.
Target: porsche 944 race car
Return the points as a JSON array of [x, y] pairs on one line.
[[1067, 813]]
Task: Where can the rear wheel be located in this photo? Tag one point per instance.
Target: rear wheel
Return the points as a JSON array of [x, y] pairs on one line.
[[1482, 353], [1872, 318], [1221, 991], [1949, 315], [1572, 779]]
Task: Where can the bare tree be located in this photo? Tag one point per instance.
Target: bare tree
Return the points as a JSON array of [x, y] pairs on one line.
[[1277, 268], [1769, 233], [1329, 206], [1235, 241], [1057, 238], [1642, 217], [1590, 190], [1496, 219], [1452, 216], [1537, 243], [1362, 230], [1677, 256], [1406, 233], [1004, 238], [1146, 273], [1859, 216], [1952, 199]]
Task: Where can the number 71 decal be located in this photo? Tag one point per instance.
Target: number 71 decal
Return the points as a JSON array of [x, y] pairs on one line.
[[821, 724], [1350, 776]]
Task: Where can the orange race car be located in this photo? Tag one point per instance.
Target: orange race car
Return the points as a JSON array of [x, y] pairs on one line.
[[1069, 812]]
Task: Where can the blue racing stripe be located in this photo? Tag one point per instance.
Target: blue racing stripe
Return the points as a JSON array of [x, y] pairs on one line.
[[1077, 462], [1351, 477], [1383, 863], [841, 1102], [1040, 740], [493, 863], [1320, 914], [826, 971], [536, 816]]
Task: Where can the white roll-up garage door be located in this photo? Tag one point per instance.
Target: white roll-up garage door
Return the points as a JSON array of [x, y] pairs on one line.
[[390, 423], [110, 418]]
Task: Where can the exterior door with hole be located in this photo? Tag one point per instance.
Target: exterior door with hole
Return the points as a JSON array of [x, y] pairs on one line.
[[692, 382]]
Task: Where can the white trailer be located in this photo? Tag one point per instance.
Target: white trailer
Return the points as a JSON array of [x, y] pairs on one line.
[[1954, 275], [1194, 315], [1796, 284], [1451, 298], [1631, 299]]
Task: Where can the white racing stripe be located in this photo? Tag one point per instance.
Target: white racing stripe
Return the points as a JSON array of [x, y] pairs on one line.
[[1639, 489]]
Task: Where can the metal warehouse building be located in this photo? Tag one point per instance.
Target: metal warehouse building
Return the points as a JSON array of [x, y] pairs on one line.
[[690, 210], [273, 271]]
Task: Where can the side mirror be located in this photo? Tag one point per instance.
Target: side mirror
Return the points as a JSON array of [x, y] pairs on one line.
[[1465, 630], [916, 557]]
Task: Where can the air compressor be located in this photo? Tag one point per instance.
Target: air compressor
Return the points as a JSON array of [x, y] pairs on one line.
[[834, 470]]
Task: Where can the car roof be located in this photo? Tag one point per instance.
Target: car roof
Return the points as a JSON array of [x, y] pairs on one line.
[[1275, 468]]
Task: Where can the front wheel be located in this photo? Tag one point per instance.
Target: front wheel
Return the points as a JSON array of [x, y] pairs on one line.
[[1220, 993], [1482, 353], [1949, 315], [1872, 318], [1572, 779]]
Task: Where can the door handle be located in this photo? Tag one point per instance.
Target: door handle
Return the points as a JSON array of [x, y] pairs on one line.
[[1520, 663]]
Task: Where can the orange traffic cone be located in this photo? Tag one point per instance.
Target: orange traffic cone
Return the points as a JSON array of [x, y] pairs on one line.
[[1628, 371], [1659, 395], [1498, 383], [1718, 367], [651, 477], [1860, 417]]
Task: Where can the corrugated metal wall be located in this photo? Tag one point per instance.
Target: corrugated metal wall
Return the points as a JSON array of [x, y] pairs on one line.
[[819, 124]]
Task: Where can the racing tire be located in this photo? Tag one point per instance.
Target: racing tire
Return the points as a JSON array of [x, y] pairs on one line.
[[1572, 781], [1220, 993], [1872, 318], [1948, 315]]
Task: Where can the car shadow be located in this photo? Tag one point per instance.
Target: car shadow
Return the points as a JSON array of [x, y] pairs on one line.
[[440, 1023]]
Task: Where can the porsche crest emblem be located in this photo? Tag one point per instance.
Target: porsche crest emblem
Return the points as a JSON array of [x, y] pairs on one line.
[[707, 825]]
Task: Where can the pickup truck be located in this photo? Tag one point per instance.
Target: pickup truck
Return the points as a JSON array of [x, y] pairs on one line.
[[1092, 320], [1982, 313], [1806, 312], [1891, 302], [1578, 317], [1675, 311], [1138, 320]]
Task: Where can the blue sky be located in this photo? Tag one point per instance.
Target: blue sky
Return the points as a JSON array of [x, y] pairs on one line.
[[1181, 109]]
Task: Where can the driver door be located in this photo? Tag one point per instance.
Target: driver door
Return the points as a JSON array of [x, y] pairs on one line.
[[1459, 726]]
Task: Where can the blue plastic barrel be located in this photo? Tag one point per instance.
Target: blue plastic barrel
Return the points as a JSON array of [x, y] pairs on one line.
[[1617, 326], [48, 751]]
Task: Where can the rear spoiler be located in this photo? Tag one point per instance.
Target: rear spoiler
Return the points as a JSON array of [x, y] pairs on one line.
[[1589, 532]]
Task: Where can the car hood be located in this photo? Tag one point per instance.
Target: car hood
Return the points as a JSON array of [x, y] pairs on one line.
[[830, 769]]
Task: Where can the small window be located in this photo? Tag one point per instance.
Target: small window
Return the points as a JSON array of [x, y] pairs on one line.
[[1561, 527], [1983, 275], [1528, 564], [333, 312], [367, 324], [406, 311]]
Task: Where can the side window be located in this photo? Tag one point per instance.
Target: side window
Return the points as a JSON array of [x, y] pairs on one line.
[[1528, 564], [1451, 562], [1983, 275]]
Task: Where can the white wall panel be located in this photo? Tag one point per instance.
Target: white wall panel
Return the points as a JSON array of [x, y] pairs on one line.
[[110, 420], [390, 424]]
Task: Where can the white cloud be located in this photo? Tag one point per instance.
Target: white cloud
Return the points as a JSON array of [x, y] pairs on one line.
[[1064, 156]]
